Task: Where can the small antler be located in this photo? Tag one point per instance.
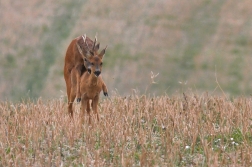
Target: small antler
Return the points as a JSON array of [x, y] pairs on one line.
[[84, 38]]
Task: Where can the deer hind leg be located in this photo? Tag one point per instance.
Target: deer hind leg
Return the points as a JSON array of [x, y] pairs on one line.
[[68, 86], [67, 76], [78, 87], [71, 100], [71, 91], [95, 106]]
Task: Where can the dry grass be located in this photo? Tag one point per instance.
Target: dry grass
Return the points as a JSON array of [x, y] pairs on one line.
[[190, 130]]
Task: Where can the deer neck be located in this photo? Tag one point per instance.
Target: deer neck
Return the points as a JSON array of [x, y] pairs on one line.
[[93, 79]]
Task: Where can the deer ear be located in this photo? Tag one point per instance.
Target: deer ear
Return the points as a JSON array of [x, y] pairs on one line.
[[102, 52], [88, 54], [80, 50], [96, 48]]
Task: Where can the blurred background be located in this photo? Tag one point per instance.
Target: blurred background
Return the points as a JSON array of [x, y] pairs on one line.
[[178, 44]]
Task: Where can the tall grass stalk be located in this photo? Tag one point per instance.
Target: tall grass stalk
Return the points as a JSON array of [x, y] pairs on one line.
[[191, 130]]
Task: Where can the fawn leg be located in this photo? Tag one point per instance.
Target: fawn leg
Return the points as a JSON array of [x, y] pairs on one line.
[[104, 89], [95, 106], [83, 109], [88, 111], [79, 69]]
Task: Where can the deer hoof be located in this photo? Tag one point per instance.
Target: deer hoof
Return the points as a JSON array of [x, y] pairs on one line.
[[105, 93], [78, 99]]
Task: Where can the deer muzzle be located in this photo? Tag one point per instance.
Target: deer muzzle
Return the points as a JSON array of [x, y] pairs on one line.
[[97, 73]]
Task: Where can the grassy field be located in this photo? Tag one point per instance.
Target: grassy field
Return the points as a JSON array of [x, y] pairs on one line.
[[184, 130]]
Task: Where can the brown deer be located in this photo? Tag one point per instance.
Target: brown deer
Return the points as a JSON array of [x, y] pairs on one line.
[[76, 58], [91, 83]]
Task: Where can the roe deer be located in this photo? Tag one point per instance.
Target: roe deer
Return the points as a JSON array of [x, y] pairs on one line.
[[91, 82], [76, 56]]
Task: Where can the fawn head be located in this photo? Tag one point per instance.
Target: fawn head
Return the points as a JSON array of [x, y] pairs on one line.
[[92, 59]]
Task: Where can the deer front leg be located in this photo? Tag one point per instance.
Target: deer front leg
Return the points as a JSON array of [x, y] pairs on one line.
[[95, 106], [83, 109], [88, 112], [104, 89]]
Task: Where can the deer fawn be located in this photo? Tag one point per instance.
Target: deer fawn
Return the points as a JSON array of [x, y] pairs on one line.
[[76, 59], [91, 83]]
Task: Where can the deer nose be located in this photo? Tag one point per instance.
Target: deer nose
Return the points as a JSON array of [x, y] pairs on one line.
[[97, 73]]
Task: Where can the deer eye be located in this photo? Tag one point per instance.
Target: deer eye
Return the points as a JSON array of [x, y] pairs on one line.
[[92, 64], [85, 59], [101, 64]]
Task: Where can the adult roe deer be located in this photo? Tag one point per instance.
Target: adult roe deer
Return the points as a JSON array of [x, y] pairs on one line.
[[91, 84], [76, 58]]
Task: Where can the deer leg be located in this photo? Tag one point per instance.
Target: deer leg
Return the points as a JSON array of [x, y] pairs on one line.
[[95, 106], [67, 76], [71, 100], [80, 69], [88, 111], [71, 89], [78, 86], [104, 89], [83, 109], [68, 86]]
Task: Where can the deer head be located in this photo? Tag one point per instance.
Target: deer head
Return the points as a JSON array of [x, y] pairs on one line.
[[89, 50], [94, 61]]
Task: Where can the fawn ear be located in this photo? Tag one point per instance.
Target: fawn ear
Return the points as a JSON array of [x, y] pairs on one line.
[[103, 52], [87, 51], [84, 53]]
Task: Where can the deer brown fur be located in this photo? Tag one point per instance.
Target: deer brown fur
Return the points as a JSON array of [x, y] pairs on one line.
[[91, 85], [76, 54]]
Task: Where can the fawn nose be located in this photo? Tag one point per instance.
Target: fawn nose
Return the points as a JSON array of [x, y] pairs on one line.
[[97, 73]]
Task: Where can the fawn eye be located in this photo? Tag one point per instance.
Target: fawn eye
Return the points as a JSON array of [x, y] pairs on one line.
[[92, 64], [85, 59], [101, 64]]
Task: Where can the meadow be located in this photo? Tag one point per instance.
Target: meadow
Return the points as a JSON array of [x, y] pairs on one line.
[[181, 44], [183, 41], [137, 130]]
